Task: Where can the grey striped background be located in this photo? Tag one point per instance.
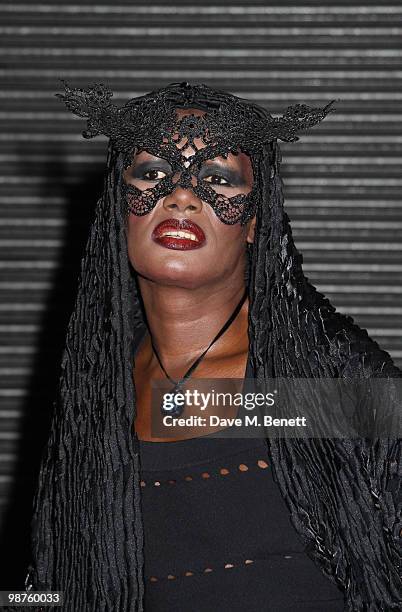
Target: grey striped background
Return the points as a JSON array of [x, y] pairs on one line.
[[343, 179]]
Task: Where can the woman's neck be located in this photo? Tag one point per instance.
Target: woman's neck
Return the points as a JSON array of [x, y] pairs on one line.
[[183, 322]]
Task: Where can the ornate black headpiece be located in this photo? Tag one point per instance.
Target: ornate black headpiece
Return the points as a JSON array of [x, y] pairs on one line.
[[238, 122], [150, 123]]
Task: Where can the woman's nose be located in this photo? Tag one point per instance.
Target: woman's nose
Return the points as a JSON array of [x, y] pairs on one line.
[[183, 200]]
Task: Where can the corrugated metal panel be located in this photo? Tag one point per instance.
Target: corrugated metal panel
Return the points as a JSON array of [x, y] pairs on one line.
[[343, 179]]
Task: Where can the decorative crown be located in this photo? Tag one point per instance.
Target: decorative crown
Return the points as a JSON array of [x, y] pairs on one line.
[[237, 121]]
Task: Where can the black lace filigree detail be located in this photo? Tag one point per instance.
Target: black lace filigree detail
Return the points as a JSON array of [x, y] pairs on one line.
[[150, 123], [234, 121]]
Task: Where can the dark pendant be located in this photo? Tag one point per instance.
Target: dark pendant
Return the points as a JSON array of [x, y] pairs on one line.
[[175, 410]]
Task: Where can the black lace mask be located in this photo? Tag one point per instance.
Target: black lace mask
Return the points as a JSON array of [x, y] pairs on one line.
[[181, 170], [150, 123]]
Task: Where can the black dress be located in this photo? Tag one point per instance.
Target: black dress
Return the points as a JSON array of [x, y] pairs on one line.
[[217, 532]]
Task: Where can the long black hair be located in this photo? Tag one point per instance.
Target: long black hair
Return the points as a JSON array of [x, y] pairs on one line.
[[87, 535]]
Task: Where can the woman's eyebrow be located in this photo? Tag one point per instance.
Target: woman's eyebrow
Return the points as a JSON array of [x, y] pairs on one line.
[[234, 176]]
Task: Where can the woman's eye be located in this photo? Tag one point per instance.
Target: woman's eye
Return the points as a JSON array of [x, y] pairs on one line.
[[154, 175], [216, 179]]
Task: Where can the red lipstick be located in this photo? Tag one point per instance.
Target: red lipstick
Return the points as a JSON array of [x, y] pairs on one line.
[[178, 234]]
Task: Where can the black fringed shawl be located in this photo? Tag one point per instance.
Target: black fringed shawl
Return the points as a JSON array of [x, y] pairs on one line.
[[343, 494]]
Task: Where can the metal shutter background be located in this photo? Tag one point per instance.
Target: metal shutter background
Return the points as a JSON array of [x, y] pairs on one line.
[[342, 179]]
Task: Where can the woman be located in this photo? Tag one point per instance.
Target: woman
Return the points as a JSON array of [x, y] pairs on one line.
[[191, 159]]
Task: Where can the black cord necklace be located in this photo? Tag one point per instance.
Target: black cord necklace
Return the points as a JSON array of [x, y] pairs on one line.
[[178, 409]]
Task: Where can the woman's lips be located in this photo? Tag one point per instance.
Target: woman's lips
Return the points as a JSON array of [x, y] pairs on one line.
[[178, 234]]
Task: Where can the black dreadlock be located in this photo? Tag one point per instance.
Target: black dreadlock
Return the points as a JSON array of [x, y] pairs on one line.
[[87, 537]]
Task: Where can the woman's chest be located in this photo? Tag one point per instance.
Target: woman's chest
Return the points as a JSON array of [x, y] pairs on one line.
[[226, 374]]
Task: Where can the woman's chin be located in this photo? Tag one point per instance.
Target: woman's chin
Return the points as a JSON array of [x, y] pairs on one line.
[[184, 277]]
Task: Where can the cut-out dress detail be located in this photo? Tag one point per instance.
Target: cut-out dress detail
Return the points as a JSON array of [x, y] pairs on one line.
[[217, 532]]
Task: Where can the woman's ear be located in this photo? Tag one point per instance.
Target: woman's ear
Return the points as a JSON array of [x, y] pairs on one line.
[[250, 230]]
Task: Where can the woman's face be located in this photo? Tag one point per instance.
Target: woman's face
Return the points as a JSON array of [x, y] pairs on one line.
[[212, 250]]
